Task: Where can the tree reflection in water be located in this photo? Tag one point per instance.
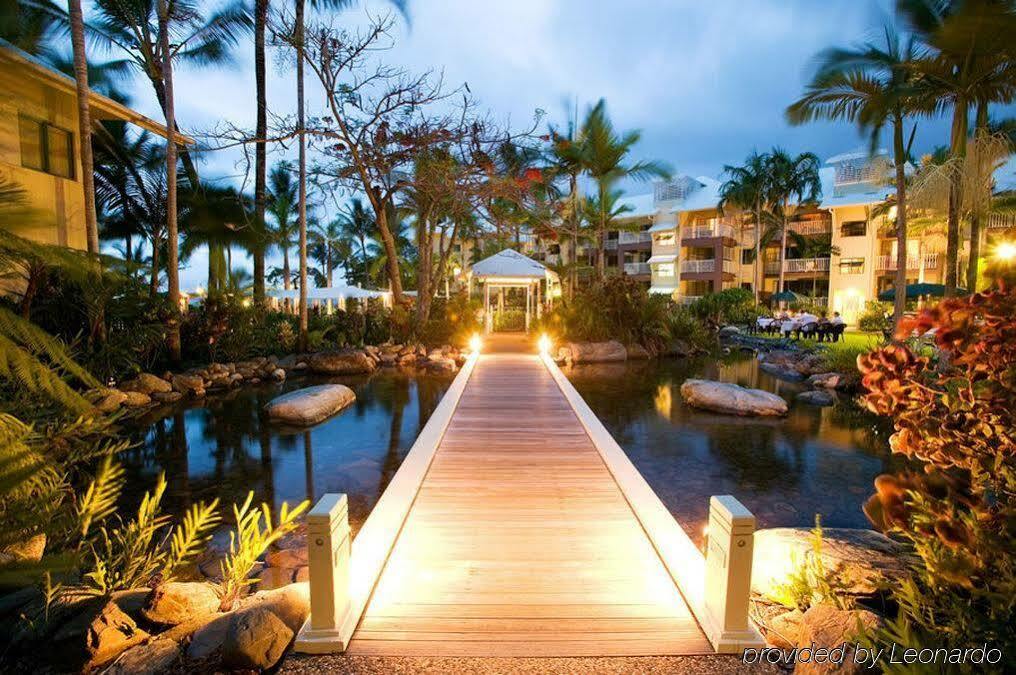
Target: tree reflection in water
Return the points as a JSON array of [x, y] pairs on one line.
[[816, 460], [225, 446]]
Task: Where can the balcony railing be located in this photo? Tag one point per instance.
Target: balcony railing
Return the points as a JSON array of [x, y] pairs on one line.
[[708, 230], [610, 244], [798, 265], [634, 238], [552, 258], [705, 266], [689, 299], [636, 268], [888, 262], [811, 226], [1001, 221]]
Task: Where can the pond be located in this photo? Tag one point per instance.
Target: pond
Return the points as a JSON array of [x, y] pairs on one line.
[[816, 460], [224, 446]]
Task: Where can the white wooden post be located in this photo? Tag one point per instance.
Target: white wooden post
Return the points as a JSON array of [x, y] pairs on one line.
[[328, 546], [728, 576], [529, 287]]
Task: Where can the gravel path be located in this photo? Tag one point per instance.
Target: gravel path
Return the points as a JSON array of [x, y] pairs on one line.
[[297, 664]]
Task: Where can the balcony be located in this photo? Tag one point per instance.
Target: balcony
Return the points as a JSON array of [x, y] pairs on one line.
[[689, 299], [705, 266], [1001, 221], [888, 262], [709, 228], [633, 269], [626, 238], [610, 244], [811, 226], [798, 265]]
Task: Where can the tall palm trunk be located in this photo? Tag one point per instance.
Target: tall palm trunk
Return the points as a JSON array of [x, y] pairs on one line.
[[302, 211], [783, 245], [573, 187], [601, 233], [77, 22], [900, 158], [980, 130], [155, 267], [958, 148], [756, 280], [260, 151], [172, 264]]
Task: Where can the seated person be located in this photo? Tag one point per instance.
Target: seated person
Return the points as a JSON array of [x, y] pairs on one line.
[[836, 327], [822, 327], [788, 325]]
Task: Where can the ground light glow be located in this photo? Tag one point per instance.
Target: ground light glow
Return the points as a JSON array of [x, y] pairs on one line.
[[545, 344], [1006, 251], [475, 343]]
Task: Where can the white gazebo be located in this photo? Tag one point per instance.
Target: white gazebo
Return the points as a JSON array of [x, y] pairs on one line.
[[331, 297], [510, 269]]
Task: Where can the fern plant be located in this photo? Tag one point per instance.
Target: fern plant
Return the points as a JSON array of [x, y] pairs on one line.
[[254, 533], [146, 550], [811, 583]]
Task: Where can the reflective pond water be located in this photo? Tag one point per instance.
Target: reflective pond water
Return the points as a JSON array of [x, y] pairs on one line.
[[224, 446], [816, 460]]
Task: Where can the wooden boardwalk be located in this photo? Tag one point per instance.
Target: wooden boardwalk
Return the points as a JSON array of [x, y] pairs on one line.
[[519, 541]]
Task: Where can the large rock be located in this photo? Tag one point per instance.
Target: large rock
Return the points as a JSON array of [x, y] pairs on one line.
[[153, 658], [784, 630], [193, 385], [135, 399], [96, 635], [179, 601], [781, 371], [287, 557], [597, 352], [30, 550], [862, 560], [310, 405], [344, 362], [111, 401], [636, 351], [817, 397], [146, 383], [256, 639], [732, 399], [833, 628], [826, 380]]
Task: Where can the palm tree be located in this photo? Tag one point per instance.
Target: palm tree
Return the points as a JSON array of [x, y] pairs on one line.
[[747, 188], [132, 26], [566, 160], [607, 212], [329, 246], [260, 149], [792, 181], [168, 106], [32, 26], [281, 198], [77, 23], [969, 63], [872, 85], [357, 224], [603, 158]]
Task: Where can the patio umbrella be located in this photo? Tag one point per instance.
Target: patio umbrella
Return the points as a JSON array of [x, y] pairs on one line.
[[919, 290], [785, 296]]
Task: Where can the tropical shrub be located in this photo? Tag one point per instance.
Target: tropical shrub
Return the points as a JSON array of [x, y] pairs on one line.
[[683, 325], [452, 321], [228, 329], [874, 318], [952, 413], [615, 308], [729, 306], [811, 582]]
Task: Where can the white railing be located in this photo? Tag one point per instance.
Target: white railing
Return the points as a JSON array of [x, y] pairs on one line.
[[817, 226], [634, 238], [610, 244], [798, 265], [888, 262], [689, 299], [636, 268], [729, 266], [709, 231], [697, 266], [1001, 220]]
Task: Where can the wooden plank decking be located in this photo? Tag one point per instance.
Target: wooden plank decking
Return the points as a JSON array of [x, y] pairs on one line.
[[519, 541]]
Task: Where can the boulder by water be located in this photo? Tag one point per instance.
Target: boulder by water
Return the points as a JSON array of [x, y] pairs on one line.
[[310, 405], [343, 362], [862, 560], [817, 397], [597, 352], [732, 399]]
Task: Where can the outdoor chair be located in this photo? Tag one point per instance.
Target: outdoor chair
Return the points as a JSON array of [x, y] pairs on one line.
[[807, 331], [836, 332]]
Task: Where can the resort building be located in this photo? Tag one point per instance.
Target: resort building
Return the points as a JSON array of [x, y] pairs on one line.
[[39, 145]]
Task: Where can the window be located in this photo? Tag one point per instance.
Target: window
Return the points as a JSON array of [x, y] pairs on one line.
[[853, 228], [851, 265], [45, 147], [747, 256], [665, 269]]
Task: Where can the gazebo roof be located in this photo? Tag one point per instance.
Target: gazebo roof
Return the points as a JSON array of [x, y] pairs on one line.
[[333, 292], [510, 264]]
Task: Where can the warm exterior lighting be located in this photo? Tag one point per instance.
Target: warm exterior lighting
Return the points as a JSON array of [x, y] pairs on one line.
[[1005, 251], [475, 343], [545, 344], [199, 291], [246, 302], [457, 271]]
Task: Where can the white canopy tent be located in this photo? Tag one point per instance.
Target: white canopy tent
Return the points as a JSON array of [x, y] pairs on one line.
[[331, 297], [510, 269]]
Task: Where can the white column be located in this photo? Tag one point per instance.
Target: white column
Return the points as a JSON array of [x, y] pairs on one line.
[[529, 288], [728, 576], [328, 546], [486, 307]]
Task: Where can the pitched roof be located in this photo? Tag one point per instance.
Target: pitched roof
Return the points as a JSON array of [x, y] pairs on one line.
[[510, 264]]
